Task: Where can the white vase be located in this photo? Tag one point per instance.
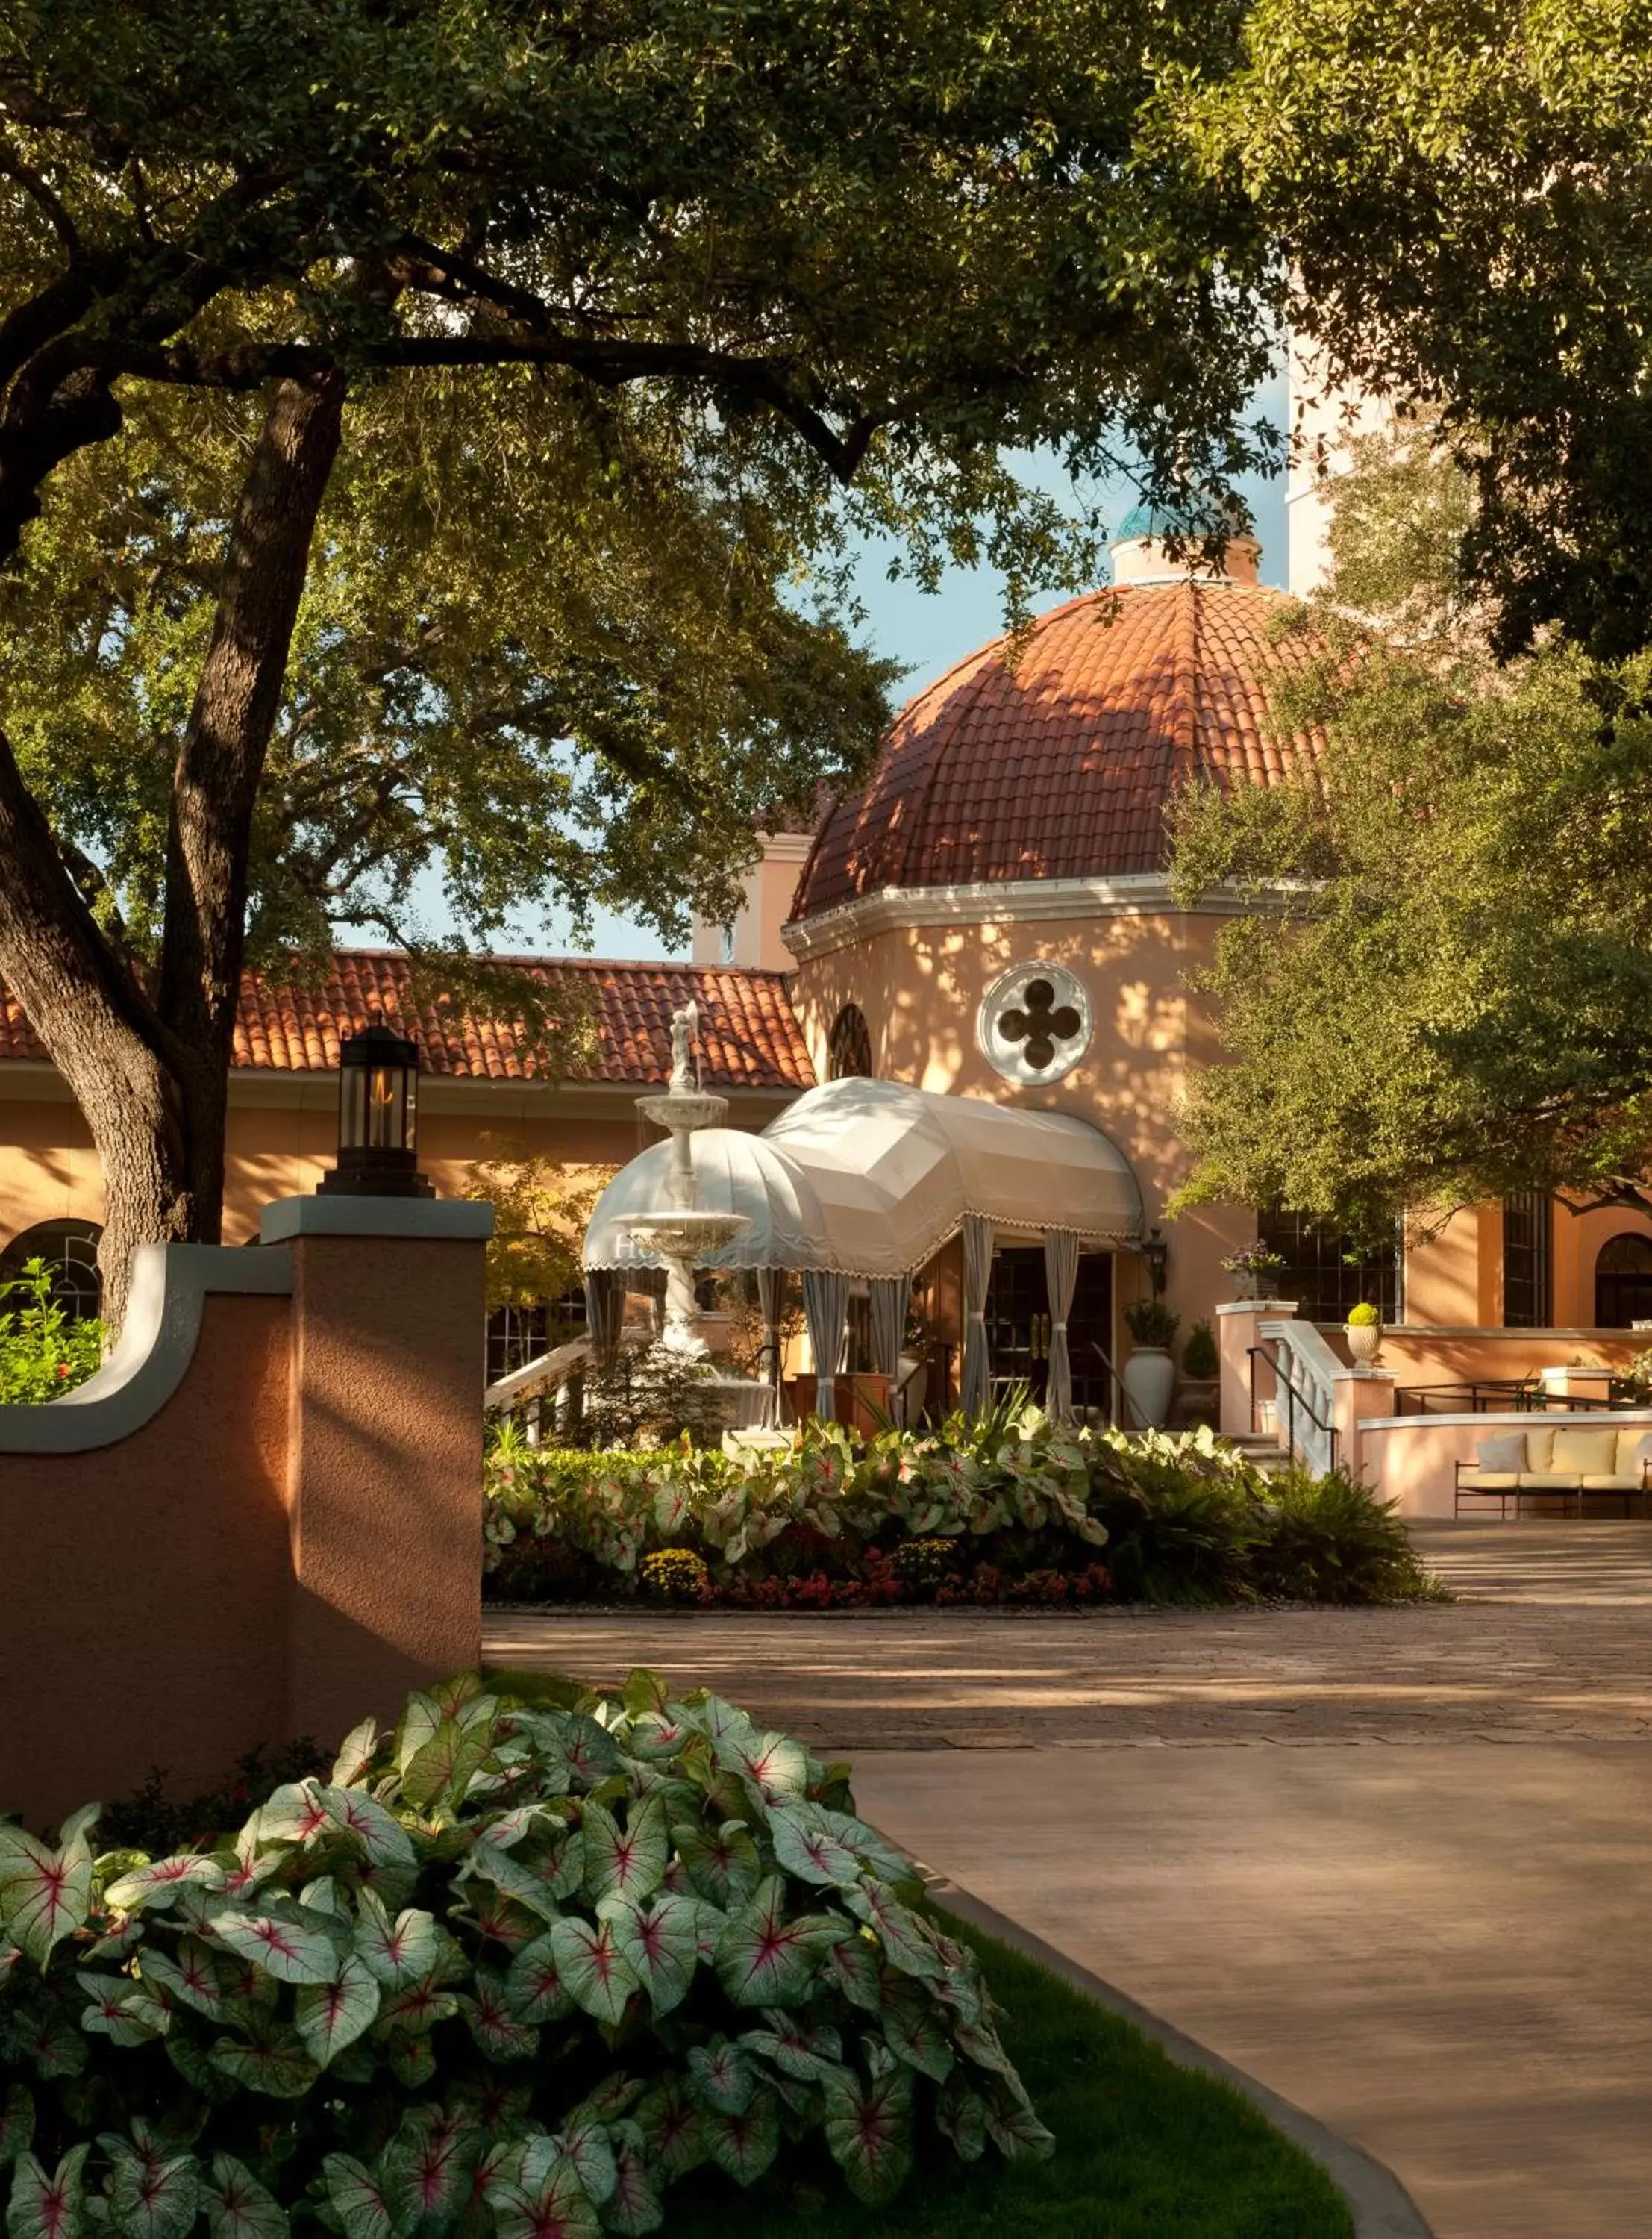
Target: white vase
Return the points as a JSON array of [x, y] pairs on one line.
[[1364, 1342], [1149, 1378]]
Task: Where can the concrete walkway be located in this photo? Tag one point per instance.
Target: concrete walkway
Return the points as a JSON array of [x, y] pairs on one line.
[[1392, 1863]]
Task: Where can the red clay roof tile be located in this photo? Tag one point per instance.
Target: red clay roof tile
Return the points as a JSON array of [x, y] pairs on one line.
[[749, 1037], [1062, 766]]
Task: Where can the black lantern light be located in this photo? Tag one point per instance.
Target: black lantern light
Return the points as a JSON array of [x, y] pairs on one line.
[[1157, 1253], [378, 1116]]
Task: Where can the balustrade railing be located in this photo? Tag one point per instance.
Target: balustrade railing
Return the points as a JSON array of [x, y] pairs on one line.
[[1305, 1370]]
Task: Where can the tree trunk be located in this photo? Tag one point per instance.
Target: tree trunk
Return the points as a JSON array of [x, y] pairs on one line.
[[221, 762], [151, 1074]]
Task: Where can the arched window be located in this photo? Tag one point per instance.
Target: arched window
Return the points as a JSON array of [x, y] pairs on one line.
[[849, 1046], [1624, 1281], [69, 1250]]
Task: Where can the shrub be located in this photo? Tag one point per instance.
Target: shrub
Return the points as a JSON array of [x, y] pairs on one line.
[[1326, 1540], [820, 1524], [1200, 1359], [919, 1566], [677, 1575], [42, 1352], [1150, 1322], [649, 1398], [514, 1971], [1363, 1316]]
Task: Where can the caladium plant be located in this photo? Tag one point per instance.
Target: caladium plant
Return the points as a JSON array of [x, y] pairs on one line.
[[512, 1971]]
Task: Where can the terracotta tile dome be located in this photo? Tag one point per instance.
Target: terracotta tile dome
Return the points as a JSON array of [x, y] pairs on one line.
[[1062, 766]]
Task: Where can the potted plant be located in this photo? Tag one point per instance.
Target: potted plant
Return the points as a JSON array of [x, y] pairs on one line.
[[1149, 1376], [1364, 1331], [1256, 1271], [1201, 1376]]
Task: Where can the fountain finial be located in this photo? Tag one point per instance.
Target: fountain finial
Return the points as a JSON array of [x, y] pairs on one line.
[[685, 1031]]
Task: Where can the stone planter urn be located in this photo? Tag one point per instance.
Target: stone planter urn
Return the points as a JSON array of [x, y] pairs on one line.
[[1364, 1342], [1149, 1378]]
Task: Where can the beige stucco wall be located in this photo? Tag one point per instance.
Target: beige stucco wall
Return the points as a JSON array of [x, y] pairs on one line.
[[921, 987], [284, 1132], [755, 941]]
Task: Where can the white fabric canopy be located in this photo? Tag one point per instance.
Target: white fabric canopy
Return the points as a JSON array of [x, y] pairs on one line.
[[870, 1178], [896, 1169], [733, 1173]]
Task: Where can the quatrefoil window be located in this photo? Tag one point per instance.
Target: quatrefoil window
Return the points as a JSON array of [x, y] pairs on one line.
[[1034, 1022]]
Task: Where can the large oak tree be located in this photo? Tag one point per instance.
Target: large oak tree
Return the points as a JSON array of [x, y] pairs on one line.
[[849, 258]]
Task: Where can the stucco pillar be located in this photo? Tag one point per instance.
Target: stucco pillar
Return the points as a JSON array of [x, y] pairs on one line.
[[1237, 1329], [384, 1450], [1361, 1395]]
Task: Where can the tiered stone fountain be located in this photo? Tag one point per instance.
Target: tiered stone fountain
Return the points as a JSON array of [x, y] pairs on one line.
[[683, 1235]]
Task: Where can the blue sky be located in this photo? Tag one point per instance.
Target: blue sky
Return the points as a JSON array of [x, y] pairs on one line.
[[926, 632]]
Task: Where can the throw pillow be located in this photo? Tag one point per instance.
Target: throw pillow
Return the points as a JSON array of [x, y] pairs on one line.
[[1591, 1454], [1505, 1454]]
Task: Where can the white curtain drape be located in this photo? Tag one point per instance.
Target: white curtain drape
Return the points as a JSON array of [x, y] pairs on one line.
[[826, 1308], [976, 1233], [1061, 1278], [605, 1290], [771, 1298], [888, 1295]]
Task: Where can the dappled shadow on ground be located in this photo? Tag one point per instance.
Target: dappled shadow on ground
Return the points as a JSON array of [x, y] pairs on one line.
[[1564, 1650]]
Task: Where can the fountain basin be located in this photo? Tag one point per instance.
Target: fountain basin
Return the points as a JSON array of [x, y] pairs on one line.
[[684, 1235], [684, 1111]]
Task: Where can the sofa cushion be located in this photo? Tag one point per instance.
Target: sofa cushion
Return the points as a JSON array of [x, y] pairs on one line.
[[1479, 1480], [1538, 1446], [1506, 1450], [1550, 1480], [1634, 1447], [1590, 1452]]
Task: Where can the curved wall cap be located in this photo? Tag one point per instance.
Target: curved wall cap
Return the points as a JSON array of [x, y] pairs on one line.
[[157, 1342]]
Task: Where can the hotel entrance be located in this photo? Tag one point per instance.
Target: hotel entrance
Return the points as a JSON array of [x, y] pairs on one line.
[[1018, 1324]]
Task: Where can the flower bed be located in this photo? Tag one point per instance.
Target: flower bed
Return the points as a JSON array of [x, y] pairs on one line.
[[1014, 1512], [514, 1971]]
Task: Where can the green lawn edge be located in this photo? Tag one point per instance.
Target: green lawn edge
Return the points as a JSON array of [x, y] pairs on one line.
[[1144, 2149]]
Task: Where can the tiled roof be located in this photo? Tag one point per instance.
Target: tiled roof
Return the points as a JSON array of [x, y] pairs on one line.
[[1062, 765], [749, 1037]]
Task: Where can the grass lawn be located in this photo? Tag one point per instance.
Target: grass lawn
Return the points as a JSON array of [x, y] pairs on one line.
[[1144, 2149]]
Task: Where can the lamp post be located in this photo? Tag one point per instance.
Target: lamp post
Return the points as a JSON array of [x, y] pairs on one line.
[[1157, 1254], [378, 1114]]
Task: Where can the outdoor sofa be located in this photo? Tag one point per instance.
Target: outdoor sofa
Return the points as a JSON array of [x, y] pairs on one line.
[[1566, 1462]]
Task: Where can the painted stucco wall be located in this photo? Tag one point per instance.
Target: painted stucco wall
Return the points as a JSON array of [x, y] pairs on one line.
[[144, 1597], [274, 1535], [921, 989], [283, 1135]]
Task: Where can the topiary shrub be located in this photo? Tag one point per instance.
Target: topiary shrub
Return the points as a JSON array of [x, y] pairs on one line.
[[513, 1972], [1200, 1359]]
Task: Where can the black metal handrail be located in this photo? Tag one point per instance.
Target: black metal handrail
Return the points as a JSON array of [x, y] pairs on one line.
[[1118, 1398], [1295, 1400], [1497, 1395]]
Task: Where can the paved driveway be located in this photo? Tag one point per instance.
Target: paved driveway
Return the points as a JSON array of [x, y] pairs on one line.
[[1393, 1862]]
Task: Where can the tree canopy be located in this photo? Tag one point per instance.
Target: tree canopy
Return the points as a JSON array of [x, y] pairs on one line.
[[428, 420], [1461, 193], [1443, 993]]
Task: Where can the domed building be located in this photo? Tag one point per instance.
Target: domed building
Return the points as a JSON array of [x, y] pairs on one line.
[[990, 913]]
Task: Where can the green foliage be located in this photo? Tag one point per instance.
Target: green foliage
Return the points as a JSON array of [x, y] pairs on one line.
[[515, 1968], [1200, 1359], [1326, 1539], [650, 1398], [540, 1216], [1143, 2149], [845, 1521], [1149, 1321], [1365, 1316], [1442, 999], [42, 1352], [1461, 193]]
